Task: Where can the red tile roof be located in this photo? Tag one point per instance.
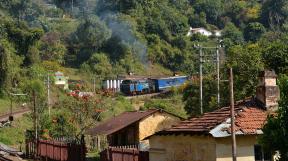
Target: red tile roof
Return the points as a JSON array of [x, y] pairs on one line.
[[249, 119]]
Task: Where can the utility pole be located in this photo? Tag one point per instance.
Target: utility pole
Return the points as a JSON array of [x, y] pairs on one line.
[[201, 79], [201, 56], [72, 4], [48, 94], [234, 150], [35, 122], [218, 75]]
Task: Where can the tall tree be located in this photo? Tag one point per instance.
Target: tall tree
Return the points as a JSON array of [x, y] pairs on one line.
[[246, 61], [274, 13], [9, 66], [276, 57], [232, 35], [253, 31]]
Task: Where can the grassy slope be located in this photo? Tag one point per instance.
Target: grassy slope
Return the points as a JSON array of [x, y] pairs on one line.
[[4, 105], [16, 133]]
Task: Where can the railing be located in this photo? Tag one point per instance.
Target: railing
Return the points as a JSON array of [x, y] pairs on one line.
[[124, 154], [56, 150], [126, 147]]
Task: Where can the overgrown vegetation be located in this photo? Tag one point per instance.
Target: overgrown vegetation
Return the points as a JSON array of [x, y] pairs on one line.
[[15, 134], [107, 38]]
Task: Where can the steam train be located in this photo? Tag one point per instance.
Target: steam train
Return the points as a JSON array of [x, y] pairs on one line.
[[150, 85]]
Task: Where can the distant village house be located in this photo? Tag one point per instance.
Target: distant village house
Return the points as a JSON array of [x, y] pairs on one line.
[[208, 138], [61, 80], [204, 32]]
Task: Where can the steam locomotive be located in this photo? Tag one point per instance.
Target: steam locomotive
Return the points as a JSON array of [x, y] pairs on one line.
[[150, 85]]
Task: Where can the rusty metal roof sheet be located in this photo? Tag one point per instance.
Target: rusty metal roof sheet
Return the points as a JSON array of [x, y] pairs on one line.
[[121, 121]]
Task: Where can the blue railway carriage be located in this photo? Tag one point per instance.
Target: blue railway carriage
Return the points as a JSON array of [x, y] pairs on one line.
[[133, 87], [162, 84]]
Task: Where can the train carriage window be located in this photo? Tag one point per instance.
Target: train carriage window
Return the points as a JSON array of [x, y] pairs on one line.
[[126, 82]]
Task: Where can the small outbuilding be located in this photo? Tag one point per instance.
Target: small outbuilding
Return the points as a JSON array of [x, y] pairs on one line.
[[131, 128]]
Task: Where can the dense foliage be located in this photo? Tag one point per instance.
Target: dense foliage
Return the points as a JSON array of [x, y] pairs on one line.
[[105, 38], [131, 35]]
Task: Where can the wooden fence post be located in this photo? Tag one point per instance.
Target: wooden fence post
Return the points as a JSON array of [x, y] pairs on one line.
[[134, 155], [110, 154], [107, 155], [122, 152]]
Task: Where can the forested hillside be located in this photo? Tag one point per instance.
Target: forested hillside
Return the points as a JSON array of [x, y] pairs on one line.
[[105, 38]]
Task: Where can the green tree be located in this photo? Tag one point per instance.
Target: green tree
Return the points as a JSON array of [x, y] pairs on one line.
[[98, 64], [33, 55], [247, 62], [198, 20], [235, 11], [191, 96], [254, 31], [91, 33], [9, 66], [276, 57], [212, 8], [22, 37], [59, 124], [232, 35], [90, 36], [274, 13], [51, 48]]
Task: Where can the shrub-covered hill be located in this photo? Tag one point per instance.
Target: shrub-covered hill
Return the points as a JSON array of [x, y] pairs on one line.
[[105, 38]]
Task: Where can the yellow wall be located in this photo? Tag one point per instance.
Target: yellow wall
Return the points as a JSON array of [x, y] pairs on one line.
[[156, 122], [200, 148], [182, 148], [245, 148]]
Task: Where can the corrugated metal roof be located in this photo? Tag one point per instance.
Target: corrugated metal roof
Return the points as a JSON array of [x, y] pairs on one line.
[[121, 121]]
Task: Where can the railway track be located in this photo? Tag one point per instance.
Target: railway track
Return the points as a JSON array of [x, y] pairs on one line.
[[147, 95], [143, 96], [15, 114]]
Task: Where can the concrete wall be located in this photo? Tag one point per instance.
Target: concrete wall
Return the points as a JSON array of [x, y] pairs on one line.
[[182, 148], [200, 148], [156, 122], [245, 148]]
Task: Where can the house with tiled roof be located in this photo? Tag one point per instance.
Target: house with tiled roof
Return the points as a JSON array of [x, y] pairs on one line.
[[208, 138]]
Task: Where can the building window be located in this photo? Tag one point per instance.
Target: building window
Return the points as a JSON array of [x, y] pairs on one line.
[[260, 154]]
